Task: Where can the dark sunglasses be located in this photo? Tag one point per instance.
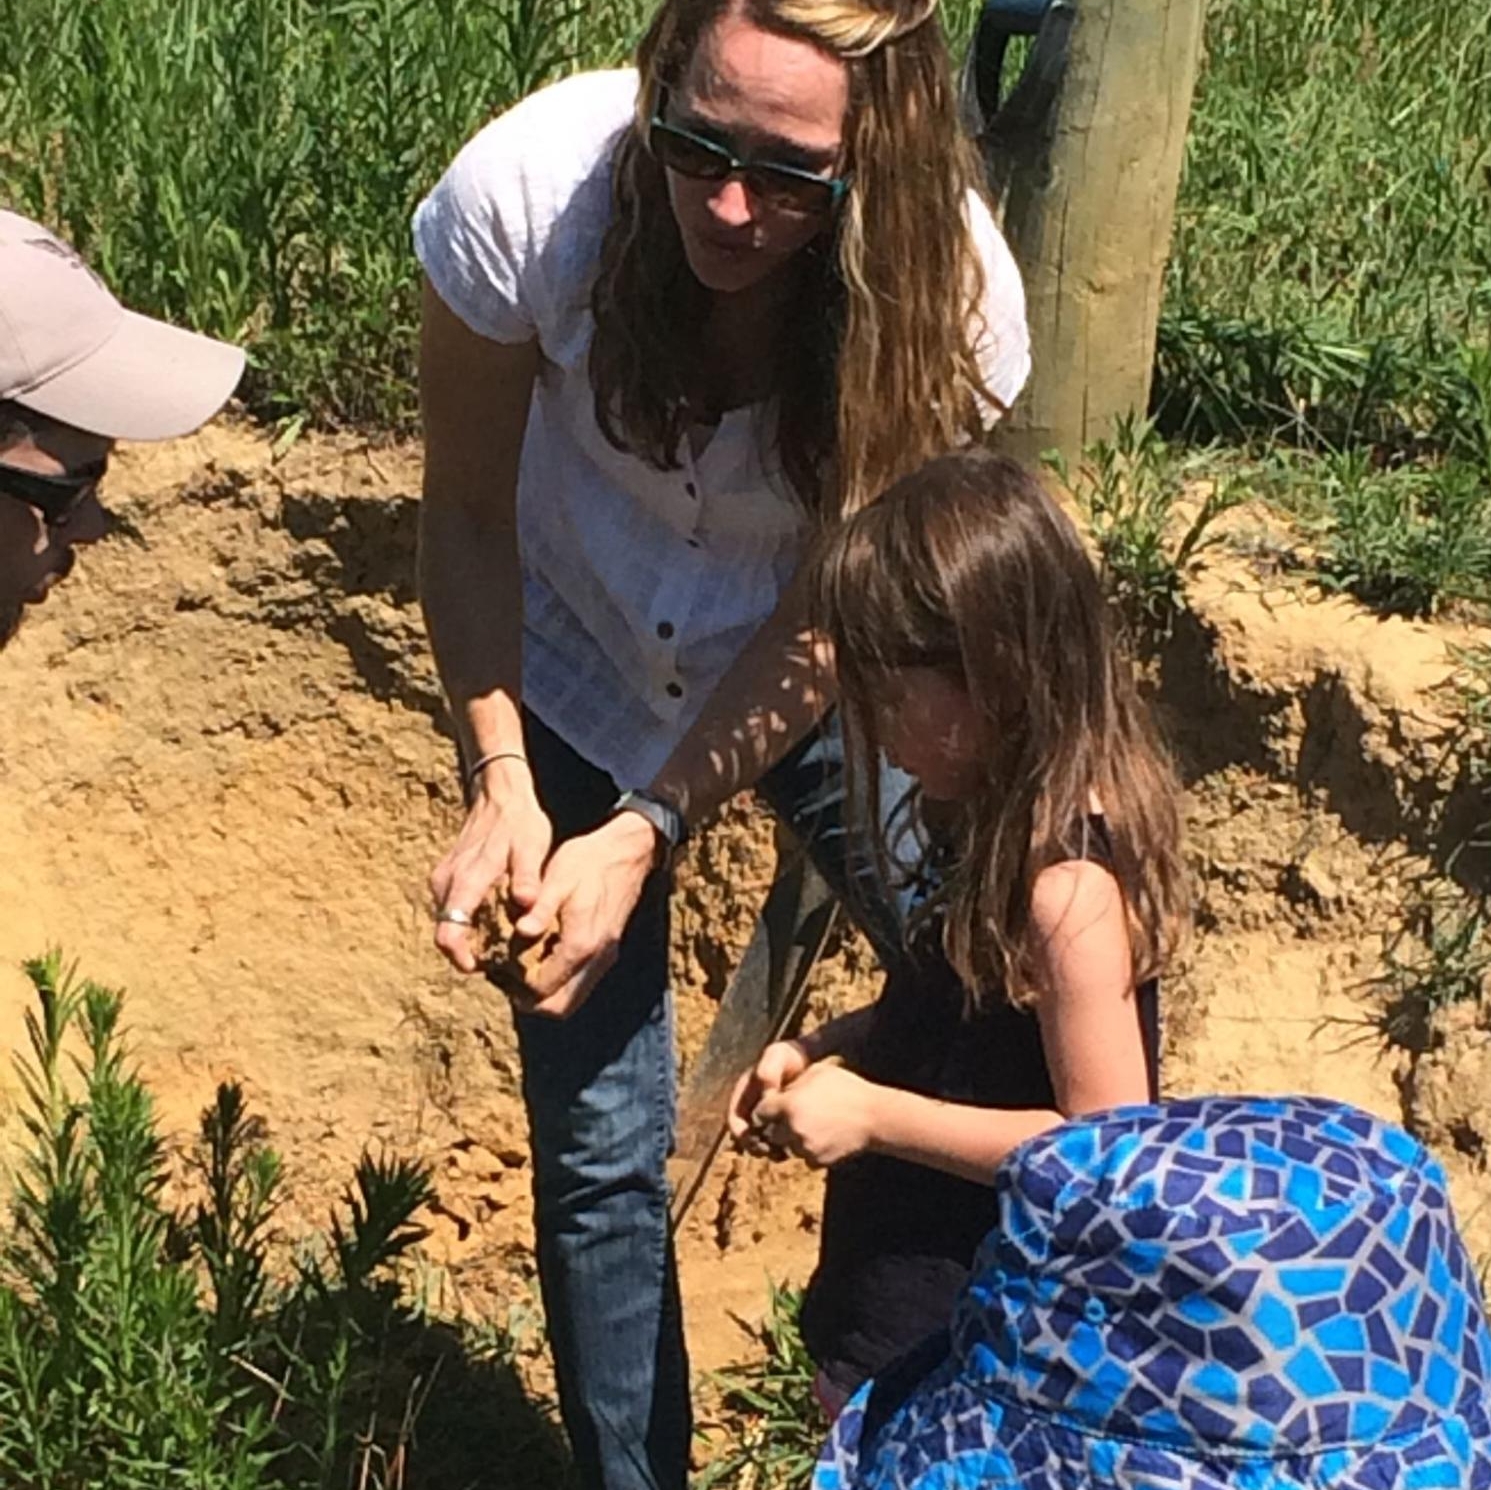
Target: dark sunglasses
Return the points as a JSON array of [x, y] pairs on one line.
[[782, 188], [57, 498]]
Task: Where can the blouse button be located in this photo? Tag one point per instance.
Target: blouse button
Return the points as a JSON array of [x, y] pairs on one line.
[[690, 488], [665, 630], [674, 690], [1094, 1311]]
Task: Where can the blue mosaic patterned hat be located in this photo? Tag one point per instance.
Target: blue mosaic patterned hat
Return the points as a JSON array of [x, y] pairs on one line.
[[1215, 1294]]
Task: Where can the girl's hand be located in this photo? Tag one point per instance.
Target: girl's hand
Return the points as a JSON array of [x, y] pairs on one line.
[[781, 1063], [827, 1115]]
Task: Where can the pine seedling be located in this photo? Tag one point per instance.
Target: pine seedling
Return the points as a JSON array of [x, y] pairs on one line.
[[240, 1174], [106, 1362], [55, 1216], [334, 1330]]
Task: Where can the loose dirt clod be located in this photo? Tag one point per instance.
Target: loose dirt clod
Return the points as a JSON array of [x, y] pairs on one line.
[[508, 961]]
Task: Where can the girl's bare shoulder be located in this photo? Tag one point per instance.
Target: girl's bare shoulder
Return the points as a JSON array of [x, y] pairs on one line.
[[1071, 895]]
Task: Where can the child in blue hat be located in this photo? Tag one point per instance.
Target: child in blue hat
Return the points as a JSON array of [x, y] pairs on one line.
[[1224, 1293]]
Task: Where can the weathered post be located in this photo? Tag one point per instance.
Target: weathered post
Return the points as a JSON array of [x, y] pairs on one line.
[[1084, 156]]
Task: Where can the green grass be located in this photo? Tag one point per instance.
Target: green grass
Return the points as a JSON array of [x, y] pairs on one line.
[[1332, 268], [1405, 540], [1330, 285], [770, 1422], [249, 167]]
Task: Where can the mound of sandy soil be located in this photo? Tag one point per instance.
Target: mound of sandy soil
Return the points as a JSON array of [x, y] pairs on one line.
[[225, 775]]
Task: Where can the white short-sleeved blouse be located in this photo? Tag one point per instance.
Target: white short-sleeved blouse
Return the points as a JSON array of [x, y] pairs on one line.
[[640, 586]]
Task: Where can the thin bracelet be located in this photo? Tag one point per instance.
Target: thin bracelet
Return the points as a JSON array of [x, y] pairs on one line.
[[486, 760]]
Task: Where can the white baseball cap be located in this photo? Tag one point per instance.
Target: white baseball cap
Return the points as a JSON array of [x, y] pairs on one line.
[[71, 351]]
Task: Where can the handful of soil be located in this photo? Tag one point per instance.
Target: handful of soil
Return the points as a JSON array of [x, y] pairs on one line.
[[507, 960]]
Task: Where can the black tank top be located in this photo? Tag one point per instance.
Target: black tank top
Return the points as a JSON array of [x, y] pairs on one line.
[[898, 1238]]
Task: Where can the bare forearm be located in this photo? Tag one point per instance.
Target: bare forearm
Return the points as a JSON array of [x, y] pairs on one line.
[[474, 398], [471, 592], [772, 695], [967, 1141]]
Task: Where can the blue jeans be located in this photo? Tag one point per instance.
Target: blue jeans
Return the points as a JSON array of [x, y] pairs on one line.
[[599, 1089]]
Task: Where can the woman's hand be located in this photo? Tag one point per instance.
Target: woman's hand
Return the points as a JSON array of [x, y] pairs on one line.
[[826, 1115], [781, 1063], [503, 843], [588, 892]]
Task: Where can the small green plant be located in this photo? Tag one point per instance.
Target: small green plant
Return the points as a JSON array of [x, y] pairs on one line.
[[1438, 957], [141, 1345], [331, 1346], [1406, 540], [1128, 490], [1471, 681], [773, 1420]]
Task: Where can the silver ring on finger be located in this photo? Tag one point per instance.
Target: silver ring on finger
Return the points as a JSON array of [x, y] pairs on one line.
[[452, 916]]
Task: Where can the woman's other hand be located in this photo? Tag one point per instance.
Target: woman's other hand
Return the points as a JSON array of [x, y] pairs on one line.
[[586, 896]]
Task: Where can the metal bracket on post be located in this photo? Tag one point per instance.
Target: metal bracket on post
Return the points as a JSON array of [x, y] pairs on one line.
[[1007, 121]]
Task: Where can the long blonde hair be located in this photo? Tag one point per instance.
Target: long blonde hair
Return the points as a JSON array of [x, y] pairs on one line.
[[876, 370], [968, 567]]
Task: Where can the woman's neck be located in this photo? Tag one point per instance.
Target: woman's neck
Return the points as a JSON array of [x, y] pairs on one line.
[[741, 339]]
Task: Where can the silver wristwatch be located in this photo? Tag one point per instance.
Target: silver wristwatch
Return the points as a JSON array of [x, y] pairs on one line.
[[671, 829]]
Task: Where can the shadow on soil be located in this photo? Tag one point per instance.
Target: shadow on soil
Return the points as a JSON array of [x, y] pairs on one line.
[[428, 1409], [476, 1428]]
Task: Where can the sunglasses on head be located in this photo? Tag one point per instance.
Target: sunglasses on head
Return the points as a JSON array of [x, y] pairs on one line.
[[782, 188], [57, 498]]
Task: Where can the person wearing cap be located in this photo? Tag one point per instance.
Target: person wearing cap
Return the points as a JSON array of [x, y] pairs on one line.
[[77, 372], [1222, 1293]]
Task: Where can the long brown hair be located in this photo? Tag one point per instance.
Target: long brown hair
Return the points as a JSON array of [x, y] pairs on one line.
[[967, 566], [877, 370]]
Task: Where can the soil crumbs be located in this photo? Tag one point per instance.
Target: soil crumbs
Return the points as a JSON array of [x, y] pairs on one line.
[[225, 773]]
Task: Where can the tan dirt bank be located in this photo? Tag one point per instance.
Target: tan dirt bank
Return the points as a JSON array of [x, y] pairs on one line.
[[224, 778]]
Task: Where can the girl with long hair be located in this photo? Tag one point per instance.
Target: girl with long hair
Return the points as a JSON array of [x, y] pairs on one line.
[[676, 320], [974, 650]]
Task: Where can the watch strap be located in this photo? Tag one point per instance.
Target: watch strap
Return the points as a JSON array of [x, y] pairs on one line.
[[663, 815]]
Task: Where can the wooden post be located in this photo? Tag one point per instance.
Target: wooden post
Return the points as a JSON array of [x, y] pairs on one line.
[[1085, 160]]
